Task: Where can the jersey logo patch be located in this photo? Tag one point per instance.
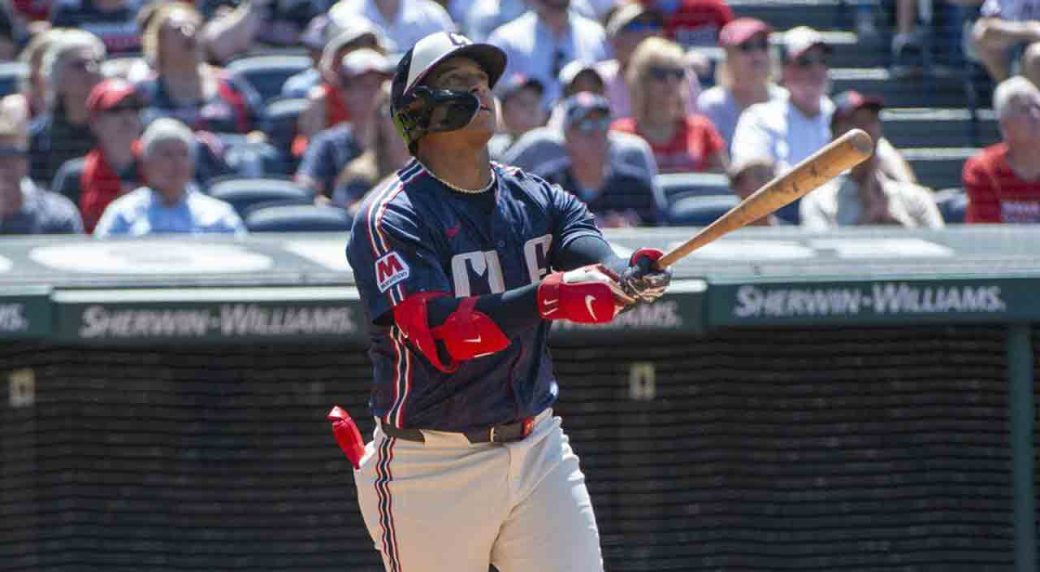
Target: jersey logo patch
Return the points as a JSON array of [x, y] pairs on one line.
[[390, 270]]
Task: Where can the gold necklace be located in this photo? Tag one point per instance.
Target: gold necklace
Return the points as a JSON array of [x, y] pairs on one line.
[[460, 189]]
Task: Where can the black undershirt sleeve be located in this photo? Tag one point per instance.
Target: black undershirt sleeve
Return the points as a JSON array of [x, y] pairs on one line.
[[517, 310]]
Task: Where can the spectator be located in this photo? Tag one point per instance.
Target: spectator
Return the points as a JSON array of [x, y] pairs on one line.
[[327, 106], [170, 203], [314, 39], [328, 166], [628, 26], [11, 34], [520, 105], [867, 196], [542, 41], [31, 10], [1004, 26], [114, 21], [403, 22], [790, 129], [618, 195], [864, 112], [692, 22], [541, 151], [183, 86], [33, 87], [746, 178], [486, 16], [110, 169], [576, 77], [24, 207], [234, 27], [1003, 180], [745, 76], [681, 142], [72, 66]]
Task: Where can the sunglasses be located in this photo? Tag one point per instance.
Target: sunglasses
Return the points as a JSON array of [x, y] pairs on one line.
[[806, 61], [590, 125], [659, 73], [641, 26], [754, 46]]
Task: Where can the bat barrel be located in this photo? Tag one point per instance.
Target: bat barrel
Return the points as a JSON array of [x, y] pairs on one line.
[[843, 153]]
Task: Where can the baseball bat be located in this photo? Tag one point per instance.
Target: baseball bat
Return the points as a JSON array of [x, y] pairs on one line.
[[845, 152]]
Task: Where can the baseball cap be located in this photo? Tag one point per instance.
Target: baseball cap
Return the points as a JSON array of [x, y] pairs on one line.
[[435, 48], [848, 102], [741, 30], [575, 67], [630, 12], [798, 40], [513, 83], [365, 60], [109, 94], [358, 30], [581, 105]]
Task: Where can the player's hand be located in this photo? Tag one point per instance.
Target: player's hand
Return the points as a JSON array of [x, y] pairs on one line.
[[642, 280], [587, 295]]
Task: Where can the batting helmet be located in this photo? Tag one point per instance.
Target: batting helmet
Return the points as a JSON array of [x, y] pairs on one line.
[[416, 109]]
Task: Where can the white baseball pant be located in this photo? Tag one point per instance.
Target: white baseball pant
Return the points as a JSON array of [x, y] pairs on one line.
[[447, 505]]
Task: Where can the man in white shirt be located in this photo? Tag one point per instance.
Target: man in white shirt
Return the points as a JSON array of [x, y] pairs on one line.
[[170, 204], [404, 22], [790, 129], [542, 41]]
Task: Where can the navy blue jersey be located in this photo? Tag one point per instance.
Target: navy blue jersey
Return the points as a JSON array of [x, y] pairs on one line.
[[414, 234]]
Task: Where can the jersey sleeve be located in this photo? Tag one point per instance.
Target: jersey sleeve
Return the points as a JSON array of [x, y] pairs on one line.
[[392, 257], [571, 218]]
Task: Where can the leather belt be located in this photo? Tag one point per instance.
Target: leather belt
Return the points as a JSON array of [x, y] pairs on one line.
[[504, 433]]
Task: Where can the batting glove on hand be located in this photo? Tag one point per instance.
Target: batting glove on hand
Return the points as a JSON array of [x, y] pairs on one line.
[[588, 295], [642, 280]]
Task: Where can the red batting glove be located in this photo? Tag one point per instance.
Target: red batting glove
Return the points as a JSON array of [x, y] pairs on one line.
[[588, 295]]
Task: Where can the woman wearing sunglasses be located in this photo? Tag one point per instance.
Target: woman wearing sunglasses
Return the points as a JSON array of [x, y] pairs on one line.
[[744, 77], [681, 142]]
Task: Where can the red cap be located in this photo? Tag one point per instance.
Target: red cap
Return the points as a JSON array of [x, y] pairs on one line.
[[848, 102], [741, 30], [108, 94]]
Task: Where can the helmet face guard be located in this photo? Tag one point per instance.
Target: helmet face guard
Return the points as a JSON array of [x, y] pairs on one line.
[[432, 110]]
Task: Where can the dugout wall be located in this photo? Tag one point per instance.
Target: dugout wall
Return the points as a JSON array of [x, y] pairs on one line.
[[763, 416]]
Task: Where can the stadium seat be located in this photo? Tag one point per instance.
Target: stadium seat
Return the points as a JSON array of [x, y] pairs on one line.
[[279, 122], [244, 193], [10, 74], [938, 167], [700, 210], [266, 73], [671, 187], [952, 204], [298, 218]]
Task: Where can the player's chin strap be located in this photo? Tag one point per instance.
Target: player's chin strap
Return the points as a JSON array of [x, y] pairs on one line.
[[466, 334]]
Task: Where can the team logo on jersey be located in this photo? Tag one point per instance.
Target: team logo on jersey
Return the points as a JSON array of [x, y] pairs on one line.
[[390, 270]]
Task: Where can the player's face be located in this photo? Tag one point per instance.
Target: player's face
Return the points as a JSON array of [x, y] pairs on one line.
[[464, 74]]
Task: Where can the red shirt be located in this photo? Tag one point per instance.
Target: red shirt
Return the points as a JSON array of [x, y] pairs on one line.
[[694, 143], [694, 22], [995, 192]]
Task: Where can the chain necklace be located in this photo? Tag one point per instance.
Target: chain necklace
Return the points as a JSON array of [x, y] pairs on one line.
[[460, 189]]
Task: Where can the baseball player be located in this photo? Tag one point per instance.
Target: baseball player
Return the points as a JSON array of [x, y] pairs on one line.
[[461, 265]]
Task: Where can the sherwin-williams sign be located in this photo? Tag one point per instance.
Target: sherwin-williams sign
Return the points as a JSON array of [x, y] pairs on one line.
[[857, 302], [25, 313], [207, 314]]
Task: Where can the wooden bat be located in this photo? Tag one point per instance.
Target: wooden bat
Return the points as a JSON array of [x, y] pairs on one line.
[[845, 152]]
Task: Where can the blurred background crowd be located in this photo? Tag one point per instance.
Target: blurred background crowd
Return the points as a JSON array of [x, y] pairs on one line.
[[127, 117]]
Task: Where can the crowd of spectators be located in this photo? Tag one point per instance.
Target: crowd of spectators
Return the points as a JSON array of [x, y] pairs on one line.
[[130, 109]]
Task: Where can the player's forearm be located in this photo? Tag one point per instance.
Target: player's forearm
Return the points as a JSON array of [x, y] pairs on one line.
[[513, 310], [586, 250]]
